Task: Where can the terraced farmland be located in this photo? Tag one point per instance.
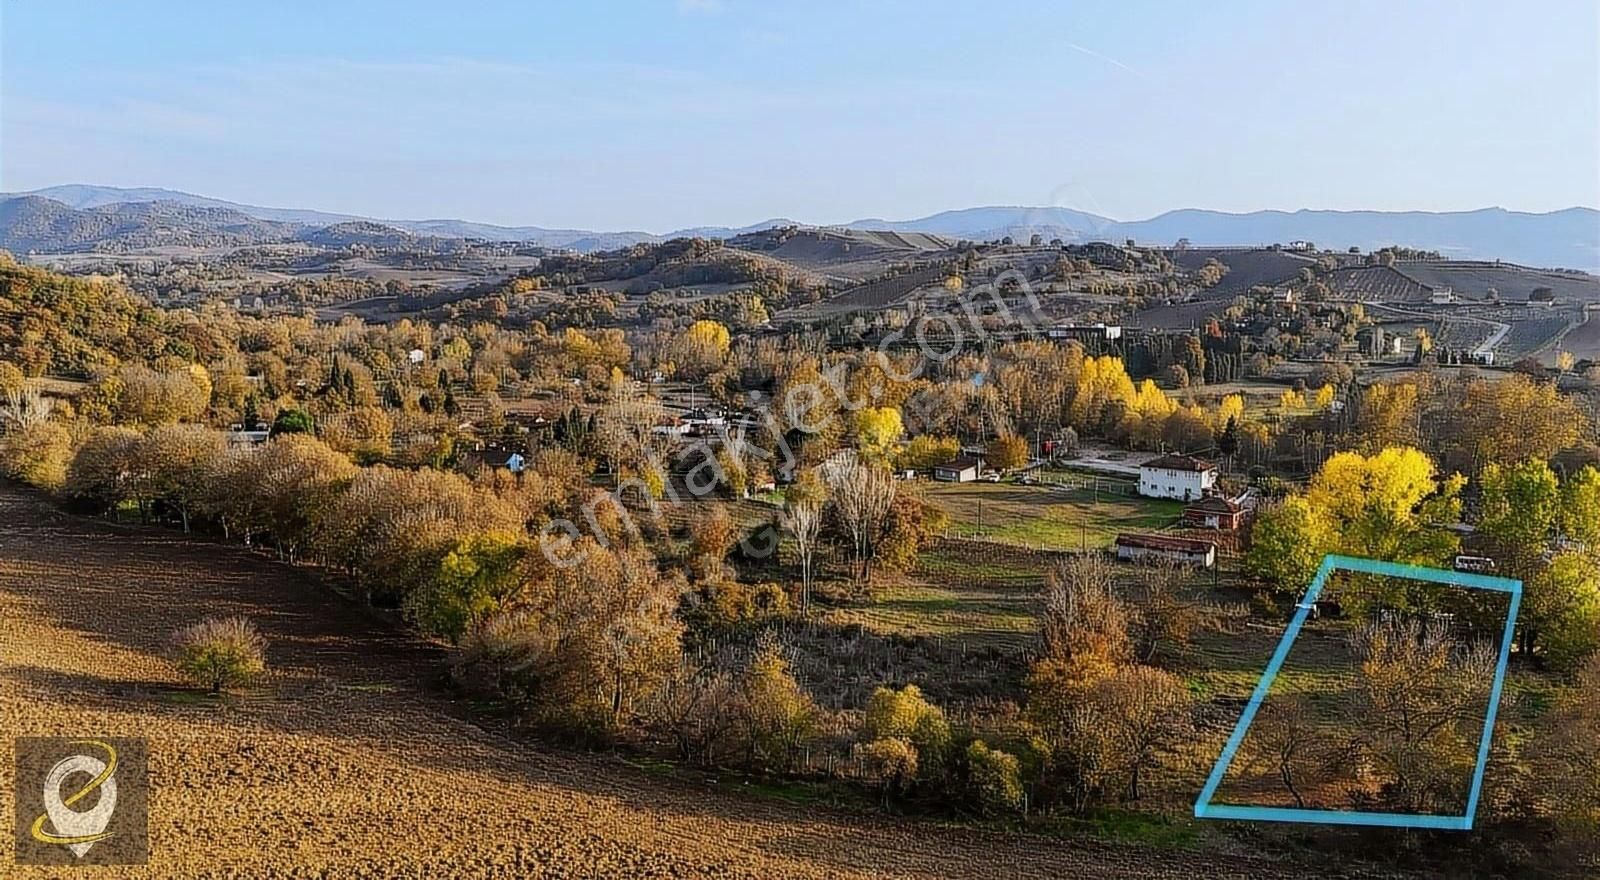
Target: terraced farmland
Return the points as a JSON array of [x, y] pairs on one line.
[[1513, 283], [1246, 268], [1584, 340], [1530, 335], [1376, 284]]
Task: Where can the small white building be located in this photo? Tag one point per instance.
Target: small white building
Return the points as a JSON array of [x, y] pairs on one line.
[[248, 435], [1443, 296], [1176, 476], [1187, 551], [1084, 332], [700, 421], [961, 469]]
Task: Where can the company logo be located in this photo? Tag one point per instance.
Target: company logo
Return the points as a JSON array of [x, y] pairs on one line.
[[81, 801]]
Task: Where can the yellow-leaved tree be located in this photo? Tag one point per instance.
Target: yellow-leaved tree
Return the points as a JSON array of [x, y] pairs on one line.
[[878, 431], [705, 345], [1388, 506]]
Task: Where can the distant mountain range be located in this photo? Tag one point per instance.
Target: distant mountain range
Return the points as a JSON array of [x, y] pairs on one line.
[[80, 217]]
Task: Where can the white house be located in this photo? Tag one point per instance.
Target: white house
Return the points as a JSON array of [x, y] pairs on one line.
[[1176, 476]]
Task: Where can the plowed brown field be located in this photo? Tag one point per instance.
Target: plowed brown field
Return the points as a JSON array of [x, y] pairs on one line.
[[350, 762]]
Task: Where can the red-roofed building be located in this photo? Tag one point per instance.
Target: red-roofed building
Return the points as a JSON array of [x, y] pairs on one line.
[[1214, 512]]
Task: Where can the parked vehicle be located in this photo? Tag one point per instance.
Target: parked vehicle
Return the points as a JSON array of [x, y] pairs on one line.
[[1479, 564]]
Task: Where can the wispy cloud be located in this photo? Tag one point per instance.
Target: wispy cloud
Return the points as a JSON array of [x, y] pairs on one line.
[[1107, 59]]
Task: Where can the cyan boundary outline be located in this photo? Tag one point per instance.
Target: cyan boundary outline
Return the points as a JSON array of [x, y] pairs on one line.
[[1204, 809]]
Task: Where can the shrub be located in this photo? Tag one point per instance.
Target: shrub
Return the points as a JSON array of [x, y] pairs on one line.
[[994, 779], [890, 762], [721, 606], [220, 652], [293, 421], [780, 716], [37, 454], [905, 714]]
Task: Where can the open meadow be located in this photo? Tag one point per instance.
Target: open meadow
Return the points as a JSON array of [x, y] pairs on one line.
[[1085, 514]]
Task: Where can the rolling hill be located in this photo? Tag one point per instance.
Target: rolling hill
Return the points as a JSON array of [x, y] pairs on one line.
[[1569, 238], [86, 197]]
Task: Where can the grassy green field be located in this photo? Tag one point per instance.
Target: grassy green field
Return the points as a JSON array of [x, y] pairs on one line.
[[1047, 517], [977, 594]]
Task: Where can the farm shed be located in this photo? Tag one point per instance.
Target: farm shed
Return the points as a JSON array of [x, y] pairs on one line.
[[961, 469], [1188, 551]]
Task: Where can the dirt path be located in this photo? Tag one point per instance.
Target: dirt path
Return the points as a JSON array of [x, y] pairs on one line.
[[350, 763]]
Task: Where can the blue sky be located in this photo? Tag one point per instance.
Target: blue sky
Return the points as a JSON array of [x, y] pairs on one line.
[[660, 115]]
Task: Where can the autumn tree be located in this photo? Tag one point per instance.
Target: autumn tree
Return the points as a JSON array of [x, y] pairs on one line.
[[1522, 507], [994, 779], [589, 645], [103, 472], [220, 653], [177, 461], [711, 535], [474, 578], [294, 477], [925, 451], [878, 431], [1083, 618], [1006, 452], [1286, 543], [860, 496], [1167, 610], [1389, 505], [803, 508], [704, 347], [152, 397], [1567, 751], [1579, 517], [1142, 712], [1293, 745], [907, 715], [33, 448], [698, 707], [1506, 421], [1417, 709]]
